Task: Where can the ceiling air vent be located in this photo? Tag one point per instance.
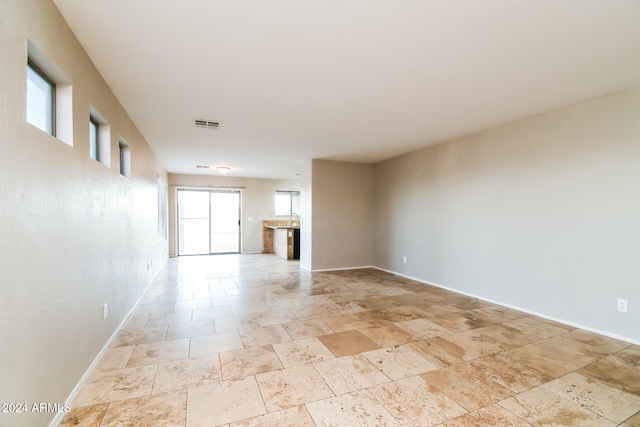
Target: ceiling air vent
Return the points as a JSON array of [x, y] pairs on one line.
[[206, 124], [203, 166]]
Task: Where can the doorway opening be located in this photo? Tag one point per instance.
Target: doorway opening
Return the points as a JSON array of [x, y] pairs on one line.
[[208, 222]]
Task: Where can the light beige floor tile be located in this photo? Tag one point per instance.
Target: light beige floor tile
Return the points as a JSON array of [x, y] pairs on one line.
[[234, 323], [152, 353], [532, 325], [224, 402], [414, 402], [503, 314], [461, 321], [509, 335], [347, 307], [632, 422], [423, 328], [275, 317], [311, 311], [119, 384], [161, 307], [211, 313], [509, 373], [399, 362], [438, 351], [598, 344], [248, 308], [284, 304], [149, 334], [616, 371], [357, 409], [292, 387], [180, 374], [543, 360], [136, 321], [215, 343], [350, 373], [540, 408], [86, 416], [490, 416], [307, 328], [170, 317], [347, 343], [347, 322], [476, 344], [115, 358], [467, 385], [301, 352], [160, 410], [254, 360], [594, 396], [387, 335], [258, 335], [191, 304], [293, 417], [190, 329]]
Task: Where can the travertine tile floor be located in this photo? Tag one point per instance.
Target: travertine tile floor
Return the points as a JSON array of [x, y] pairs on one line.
[[250, 340]]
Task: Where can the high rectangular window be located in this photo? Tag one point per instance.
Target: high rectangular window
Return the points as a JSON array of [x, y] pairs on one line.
[[99, 138], [94, 139], [41, 99], [125, 158]]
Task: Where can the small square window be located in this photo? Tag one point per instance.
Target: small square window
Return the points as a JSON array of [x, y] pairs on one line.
[[287, 203], [41, 99]]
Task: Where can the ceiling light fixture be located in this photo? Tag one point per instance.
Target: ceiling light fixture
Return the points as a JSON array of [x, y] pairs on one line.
[[223, 169]]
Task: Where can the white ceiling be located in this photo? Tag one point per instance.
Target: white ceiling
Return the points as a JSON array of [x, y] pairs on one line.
[[352, 80]]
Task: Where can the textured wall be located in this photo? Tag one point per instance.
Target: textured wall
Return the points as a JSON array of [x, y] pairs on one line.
[[540, 214], [341, 209], [74, 234]]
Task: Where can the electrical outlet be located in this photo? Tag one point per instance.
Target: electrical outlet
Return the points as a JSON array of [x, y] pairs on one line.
[[404, 259], [105, 311], [623, 305]]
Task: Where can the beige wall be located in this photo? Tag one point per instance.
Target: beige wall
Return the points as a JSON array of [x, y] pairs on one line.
[[541, 214], [306, 223], [74, 234], [341, 208], [257, 203]]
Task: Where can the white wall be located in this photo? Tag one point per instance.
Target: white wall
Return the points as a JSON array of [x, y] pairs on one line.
[[74, 234], [341, 208], [257, 203], [542, 214]]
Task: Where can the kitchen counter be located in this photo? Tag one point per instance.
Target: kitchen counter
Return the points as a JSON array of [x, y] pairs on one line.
[[282, 238]]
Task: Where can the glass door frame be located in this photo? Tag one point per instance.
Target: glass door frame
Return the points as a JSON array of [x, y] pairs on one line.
[[209, 191]]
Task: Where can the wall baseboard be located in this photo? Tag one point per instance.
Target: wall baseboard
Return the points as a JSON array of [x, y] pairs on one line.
[[524, 310], [339, 269], [60, 415]]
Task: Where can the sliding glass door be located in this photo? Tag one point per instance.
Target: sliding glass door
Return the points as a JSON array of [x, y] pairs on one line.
[[208, 222]]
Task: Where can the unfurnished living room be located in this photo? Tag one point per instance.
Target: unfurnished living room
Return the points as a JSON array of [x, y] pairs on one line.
[[320, 213]]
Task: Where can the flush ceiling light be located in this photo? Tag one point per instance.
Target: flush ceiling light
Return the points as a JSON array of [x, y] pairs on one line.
[[223, 169]]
